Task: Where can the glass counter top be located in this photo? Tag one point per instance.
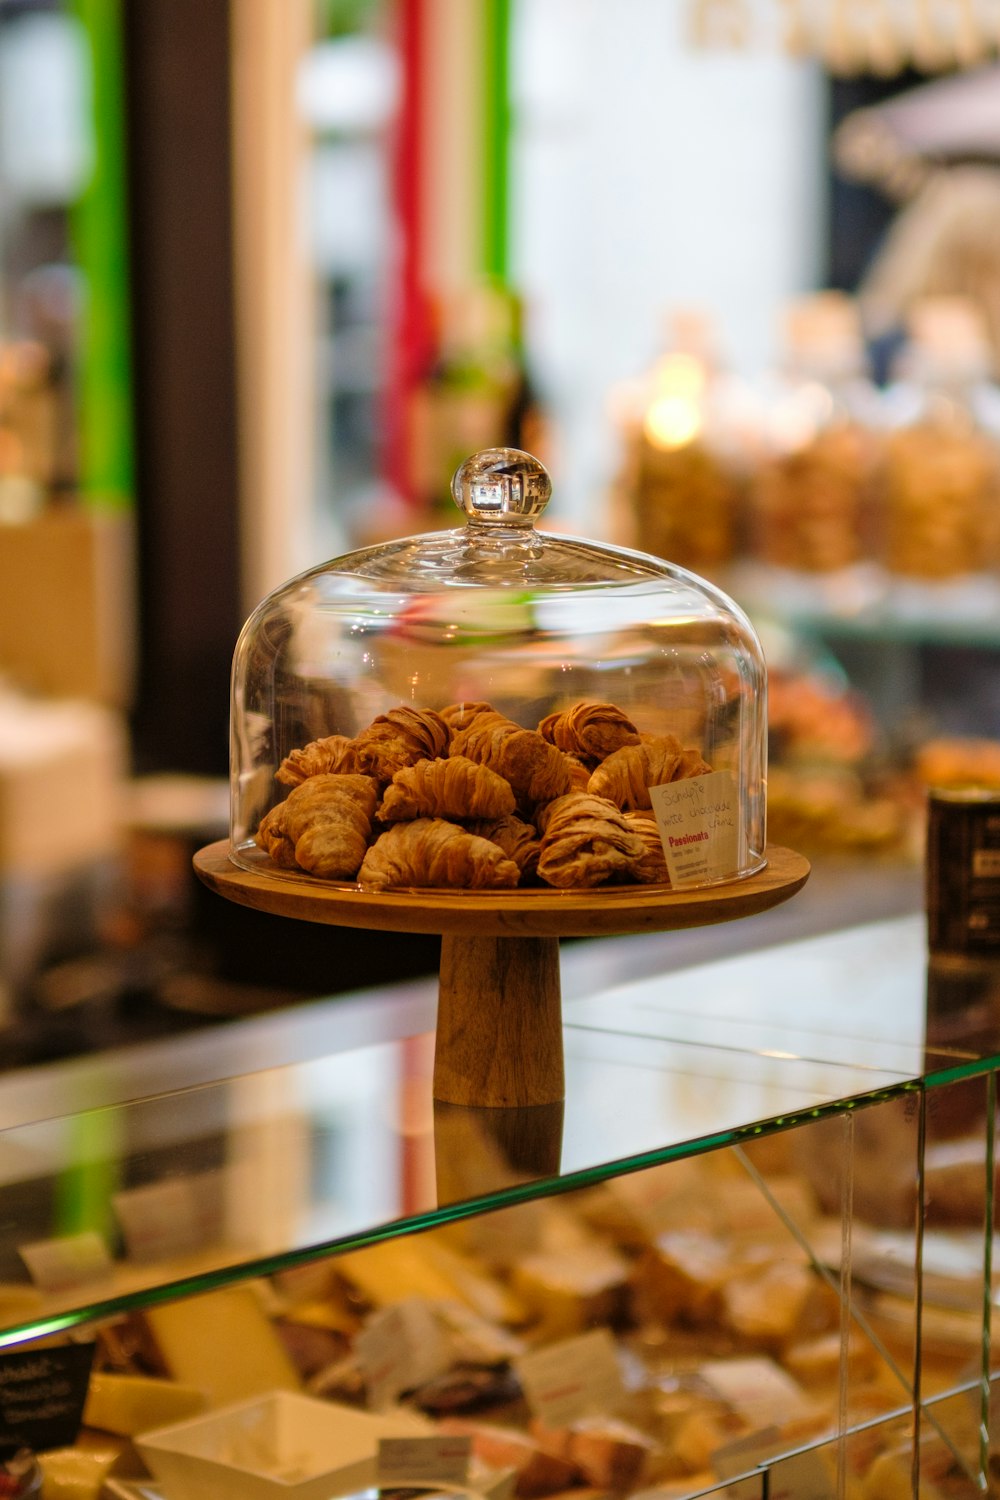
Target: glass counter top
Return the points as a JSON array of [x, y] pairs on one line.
[[168, 1194]]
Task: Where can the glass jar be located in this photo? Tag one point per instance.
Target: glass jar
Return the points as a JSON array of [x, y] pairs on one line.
[[941, 488], [396, 675], [812, 494], [682, 430]]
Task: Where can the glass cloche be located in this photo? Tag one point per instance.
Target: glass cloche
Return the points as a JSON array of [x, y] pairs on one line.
[[497, 706]]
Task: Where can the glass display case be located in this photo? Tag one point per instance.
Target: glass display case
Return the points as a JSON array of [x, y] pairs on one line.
[[758, 1236]]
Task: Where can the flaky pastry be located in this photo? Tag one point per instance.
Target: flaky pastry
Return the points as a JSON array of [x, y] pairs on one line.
[[591, 730], [329, 821], [454, 788], [273, 839], [626, 776], [433, 852], [518, 840], [585, 841], [323, 757], [651, 866], [460, 715], [400, 738], [536, 770]]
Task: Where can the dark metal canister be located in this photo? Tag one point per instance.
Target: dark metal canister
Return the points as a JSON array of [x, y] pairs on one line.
[[963, 870]]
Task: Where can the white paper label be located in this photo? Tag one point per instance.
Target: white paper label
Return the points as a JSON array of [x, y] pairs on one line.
[[398, 1349], [72, 1261], [698, 819], [438, 1459], [574, 1378]]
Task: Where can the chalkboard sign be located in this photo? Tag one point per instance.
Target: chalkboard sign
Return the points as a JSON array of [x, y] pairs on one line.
[[42, 1392]]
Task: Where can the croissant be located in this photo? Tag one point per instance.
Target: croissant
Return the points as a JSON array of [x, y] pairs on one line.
[[651, 866], [517, 839], [329, 820], [585, 841], [454, 788], [626, 776], [400, 738], [460, 715], [591, 730], [319, 758], [273, 839], [433, 852], [536, 770]]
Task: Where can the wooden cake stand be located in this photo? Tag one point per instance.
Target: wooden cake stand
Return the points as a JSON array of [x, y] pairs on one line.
[[499, 1024]]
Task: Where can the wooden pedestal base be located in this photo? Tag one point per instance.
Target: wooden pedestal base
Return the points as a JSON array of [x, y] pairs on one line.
[[499, 1024], [499, 1029]]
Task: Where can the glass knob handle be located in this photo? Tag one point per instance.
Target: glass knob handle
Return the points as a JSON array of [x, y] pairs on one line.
[[502, 485]]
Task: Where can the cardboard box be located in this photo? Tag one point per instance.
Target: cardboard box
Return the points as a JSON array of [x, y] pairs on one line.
[[67, 605]]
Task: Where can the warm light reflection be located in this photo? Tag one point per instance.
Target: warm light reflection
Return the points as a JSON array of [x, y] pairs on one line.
[[673, 416]]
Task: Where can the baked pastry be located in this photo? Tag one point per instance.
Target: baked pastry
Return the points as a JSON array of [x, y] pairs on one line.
[[585, 841], [651, 866], [400, 738], [434, 852], [323, 757], [453, 788], [273, 839], [626, 776], [536, 770], [460, 715], [329, 821], [518, 840], [592, 731]]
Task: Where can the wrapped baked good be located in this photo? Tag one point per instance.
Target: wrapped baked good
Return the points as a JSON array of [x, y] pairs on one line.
[[434, 852], [626, 776], [535, 769], [455, 788], [400, 738], [329, 756], [585, 842], [329, 821]]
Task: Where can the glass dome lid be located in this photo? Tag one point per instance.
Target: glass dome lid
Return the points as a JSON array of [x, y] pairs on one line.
[[496, 706]]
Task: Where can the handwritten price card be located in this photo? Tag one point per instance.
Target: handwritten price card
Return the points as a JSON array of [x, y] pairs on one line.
[[699, 824]]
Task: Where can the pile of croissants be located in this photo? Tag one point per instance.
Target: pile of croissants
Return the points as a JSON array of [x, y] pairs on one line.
[[465, 798]]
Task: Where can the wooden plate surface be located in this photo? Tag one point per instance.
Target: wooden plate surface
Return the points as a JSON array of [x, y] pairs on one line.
[[535, 912]]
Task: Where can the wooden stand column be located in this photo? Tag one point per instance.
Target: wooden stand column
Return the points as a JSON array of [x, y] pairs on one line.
[[499, 1026]]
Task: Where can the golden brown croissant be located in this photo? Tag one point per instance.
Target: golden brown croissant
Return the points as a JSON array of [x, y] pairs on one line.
[[319, 758], [536, 770], [273, 839], [454, 788], [400, 738], [329, 820], [591, 730], [433, 852], [626, 776], [585, 841], [651, 866], [517, 839], [460, 715]]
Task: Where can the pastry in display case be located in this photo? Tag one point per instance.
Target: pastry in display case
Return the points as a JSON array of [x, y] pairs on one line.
[[486, 732], [488, 672]]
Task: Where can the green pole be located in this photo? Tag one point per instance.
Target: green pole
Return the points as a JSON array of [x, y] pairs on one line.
[[496, 137], [100, 240]]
